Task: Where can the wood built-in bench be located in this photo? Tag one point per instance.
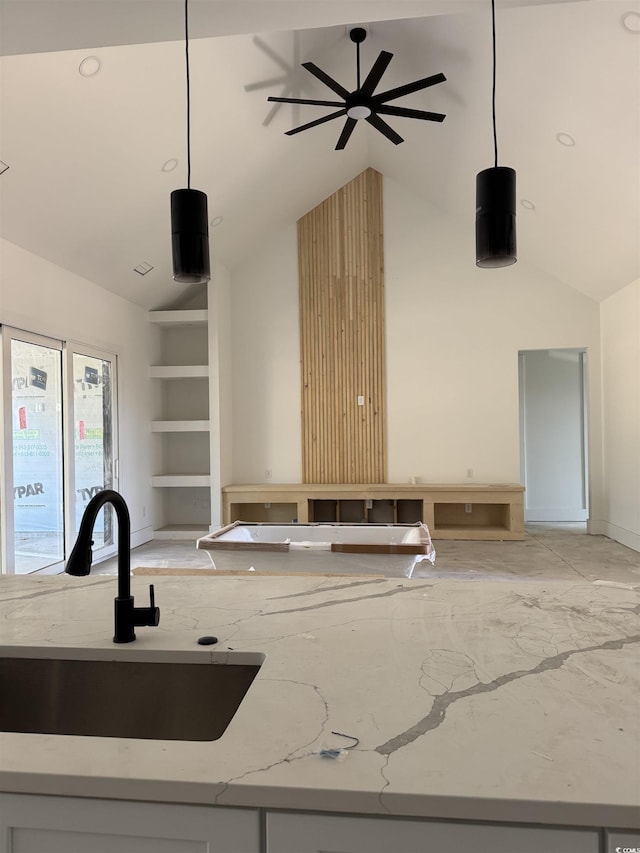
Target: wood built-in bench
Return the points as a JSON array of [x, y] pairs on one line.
[[450, 511]]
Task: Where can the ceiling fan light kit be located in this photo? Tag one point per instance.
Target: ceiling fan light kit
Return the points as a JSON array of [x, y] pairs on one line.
[[362, 103], [189, 218], [495, 200]]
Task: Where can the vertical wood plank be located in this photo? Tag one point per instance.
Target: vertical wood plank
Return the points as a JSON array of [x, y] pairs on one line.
[[341, 284]]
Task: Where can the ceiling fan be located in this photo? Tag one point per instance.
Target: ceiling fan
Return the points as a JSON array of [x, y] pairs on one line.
[[362, 103]]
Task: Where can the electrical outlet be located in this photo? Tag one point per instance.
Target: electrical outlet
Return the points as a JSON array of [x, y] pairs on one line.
[[468, 507], [267, 473], [469, 473], [361, 399]]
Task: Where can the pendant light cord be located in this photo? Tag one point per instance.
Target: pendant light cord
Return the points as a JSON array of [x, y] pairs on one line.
[[493, 89], [358, 64], [186, 40]]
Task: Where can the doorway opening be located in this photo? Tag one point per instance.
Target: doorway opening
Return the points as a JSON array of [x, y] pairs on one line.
[[553, 434]]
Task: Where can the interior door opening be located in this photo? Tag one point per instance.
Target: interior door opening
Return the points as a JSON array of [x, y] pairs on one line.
[[553, 434]]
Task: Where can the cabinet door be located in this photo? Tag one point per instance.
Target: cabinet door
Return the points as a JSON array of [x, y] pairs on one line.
[[308, 833], [35, 824]]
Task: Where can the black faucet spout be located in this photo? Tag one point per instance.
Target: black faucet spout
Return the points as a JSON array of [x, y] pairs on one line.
[[79, 563]]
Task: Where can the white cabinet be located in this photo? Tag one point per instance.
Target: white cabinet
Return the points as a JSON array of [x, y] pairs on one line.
[[43, 824], [310, 833], [181, 425], [619, 841], [47, 824]]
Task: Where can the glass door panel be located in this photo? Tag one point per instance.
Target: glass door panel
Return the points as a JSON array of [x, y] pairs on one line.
[[58, 447], [38, 485], [93, 412]]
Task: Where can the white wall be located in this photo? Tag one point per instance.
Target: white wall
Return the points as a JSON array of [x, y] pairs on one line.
[[620, 327], [453, 335], [220, 387], [266, 364], [39, 297]]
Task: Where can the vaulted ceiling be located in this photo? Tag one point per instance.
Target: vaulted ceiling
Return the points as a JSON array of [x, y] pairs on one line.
[[90, 155]]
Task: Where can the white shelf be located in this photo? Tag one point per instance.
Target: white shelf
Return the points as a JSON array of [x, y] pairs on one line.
[[179, 371], [179, 426], [194, 317], [182, 502], [180, 480], [181, 531]]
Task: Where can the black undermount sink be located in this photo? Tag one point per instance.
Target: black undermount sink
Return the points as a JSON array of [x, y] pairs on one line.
[[152, 695]]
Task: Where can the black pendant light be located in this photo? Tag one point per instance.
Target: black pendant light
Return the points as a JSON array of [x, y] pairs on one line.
[[495, 199], [189, 218]]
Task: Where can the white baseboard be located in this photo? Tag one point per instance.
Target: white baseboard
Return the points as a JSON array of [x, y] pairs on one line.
[[615, 532], [619, 534], [139, 537]]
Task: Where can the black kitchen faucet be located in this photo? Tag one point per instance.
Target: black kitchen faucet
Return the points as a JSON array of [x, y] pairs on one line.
[[127, 617]]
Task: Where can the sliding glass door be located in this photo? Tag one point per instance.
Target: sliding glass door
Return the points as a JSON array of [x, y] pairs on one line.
[[59, 448], [93, 457], [37, 449]]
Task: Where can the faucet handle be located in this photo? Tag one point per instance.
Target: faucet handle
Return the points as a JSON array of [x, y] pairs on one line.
[[152, 610], [144, 615]]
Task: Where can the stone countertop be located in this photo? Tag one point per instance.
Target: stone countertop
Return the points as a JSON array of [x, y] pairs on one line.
[[502, 701]]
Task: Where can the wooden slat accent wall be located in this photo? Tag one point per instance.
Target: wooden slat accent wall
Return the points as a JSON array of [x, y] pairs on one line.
[[341, 284]]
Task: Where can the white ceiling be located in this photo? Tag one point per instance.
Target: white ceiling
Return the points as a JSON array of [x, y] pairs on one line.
[[86, 190]]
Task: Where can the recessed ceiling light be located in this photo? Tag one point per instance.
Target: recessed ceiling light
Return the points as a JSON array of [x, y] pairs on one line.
[[528, 205], [3, 167], [169, 165], [143, 269], [90, 66], [566, 139], [631, 22], [217, 220]]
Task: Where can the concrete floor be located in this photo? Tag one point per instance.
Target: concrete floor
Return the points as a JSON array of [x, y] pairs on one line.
[[549, 552]]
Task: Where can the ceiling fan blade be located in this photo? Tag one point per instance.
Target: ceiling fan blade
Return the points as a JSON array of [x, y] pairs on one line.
[[392, 94], [384, 128], [347, 130], [377, 70], [307, 101], [324, 78], [316, 122], [405, 112]]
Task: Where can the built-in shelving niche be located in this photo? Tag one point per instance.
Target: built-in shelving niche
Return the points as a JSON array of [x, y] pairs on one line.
[[180, 429]]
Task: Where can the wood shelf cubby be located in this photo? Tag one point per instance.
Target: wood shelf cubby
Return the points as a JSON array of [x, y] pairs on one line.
[[450, 511]]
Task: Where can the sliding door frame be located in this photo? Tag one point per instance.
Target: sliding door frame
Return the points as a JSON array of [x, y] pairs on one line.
[[7, 514], [10, 334], [72, 348]]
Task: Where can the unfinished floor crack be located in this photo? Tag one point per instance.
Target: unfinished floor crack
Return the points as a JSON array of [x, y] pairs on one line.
[[573, 568], [443, 702]]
